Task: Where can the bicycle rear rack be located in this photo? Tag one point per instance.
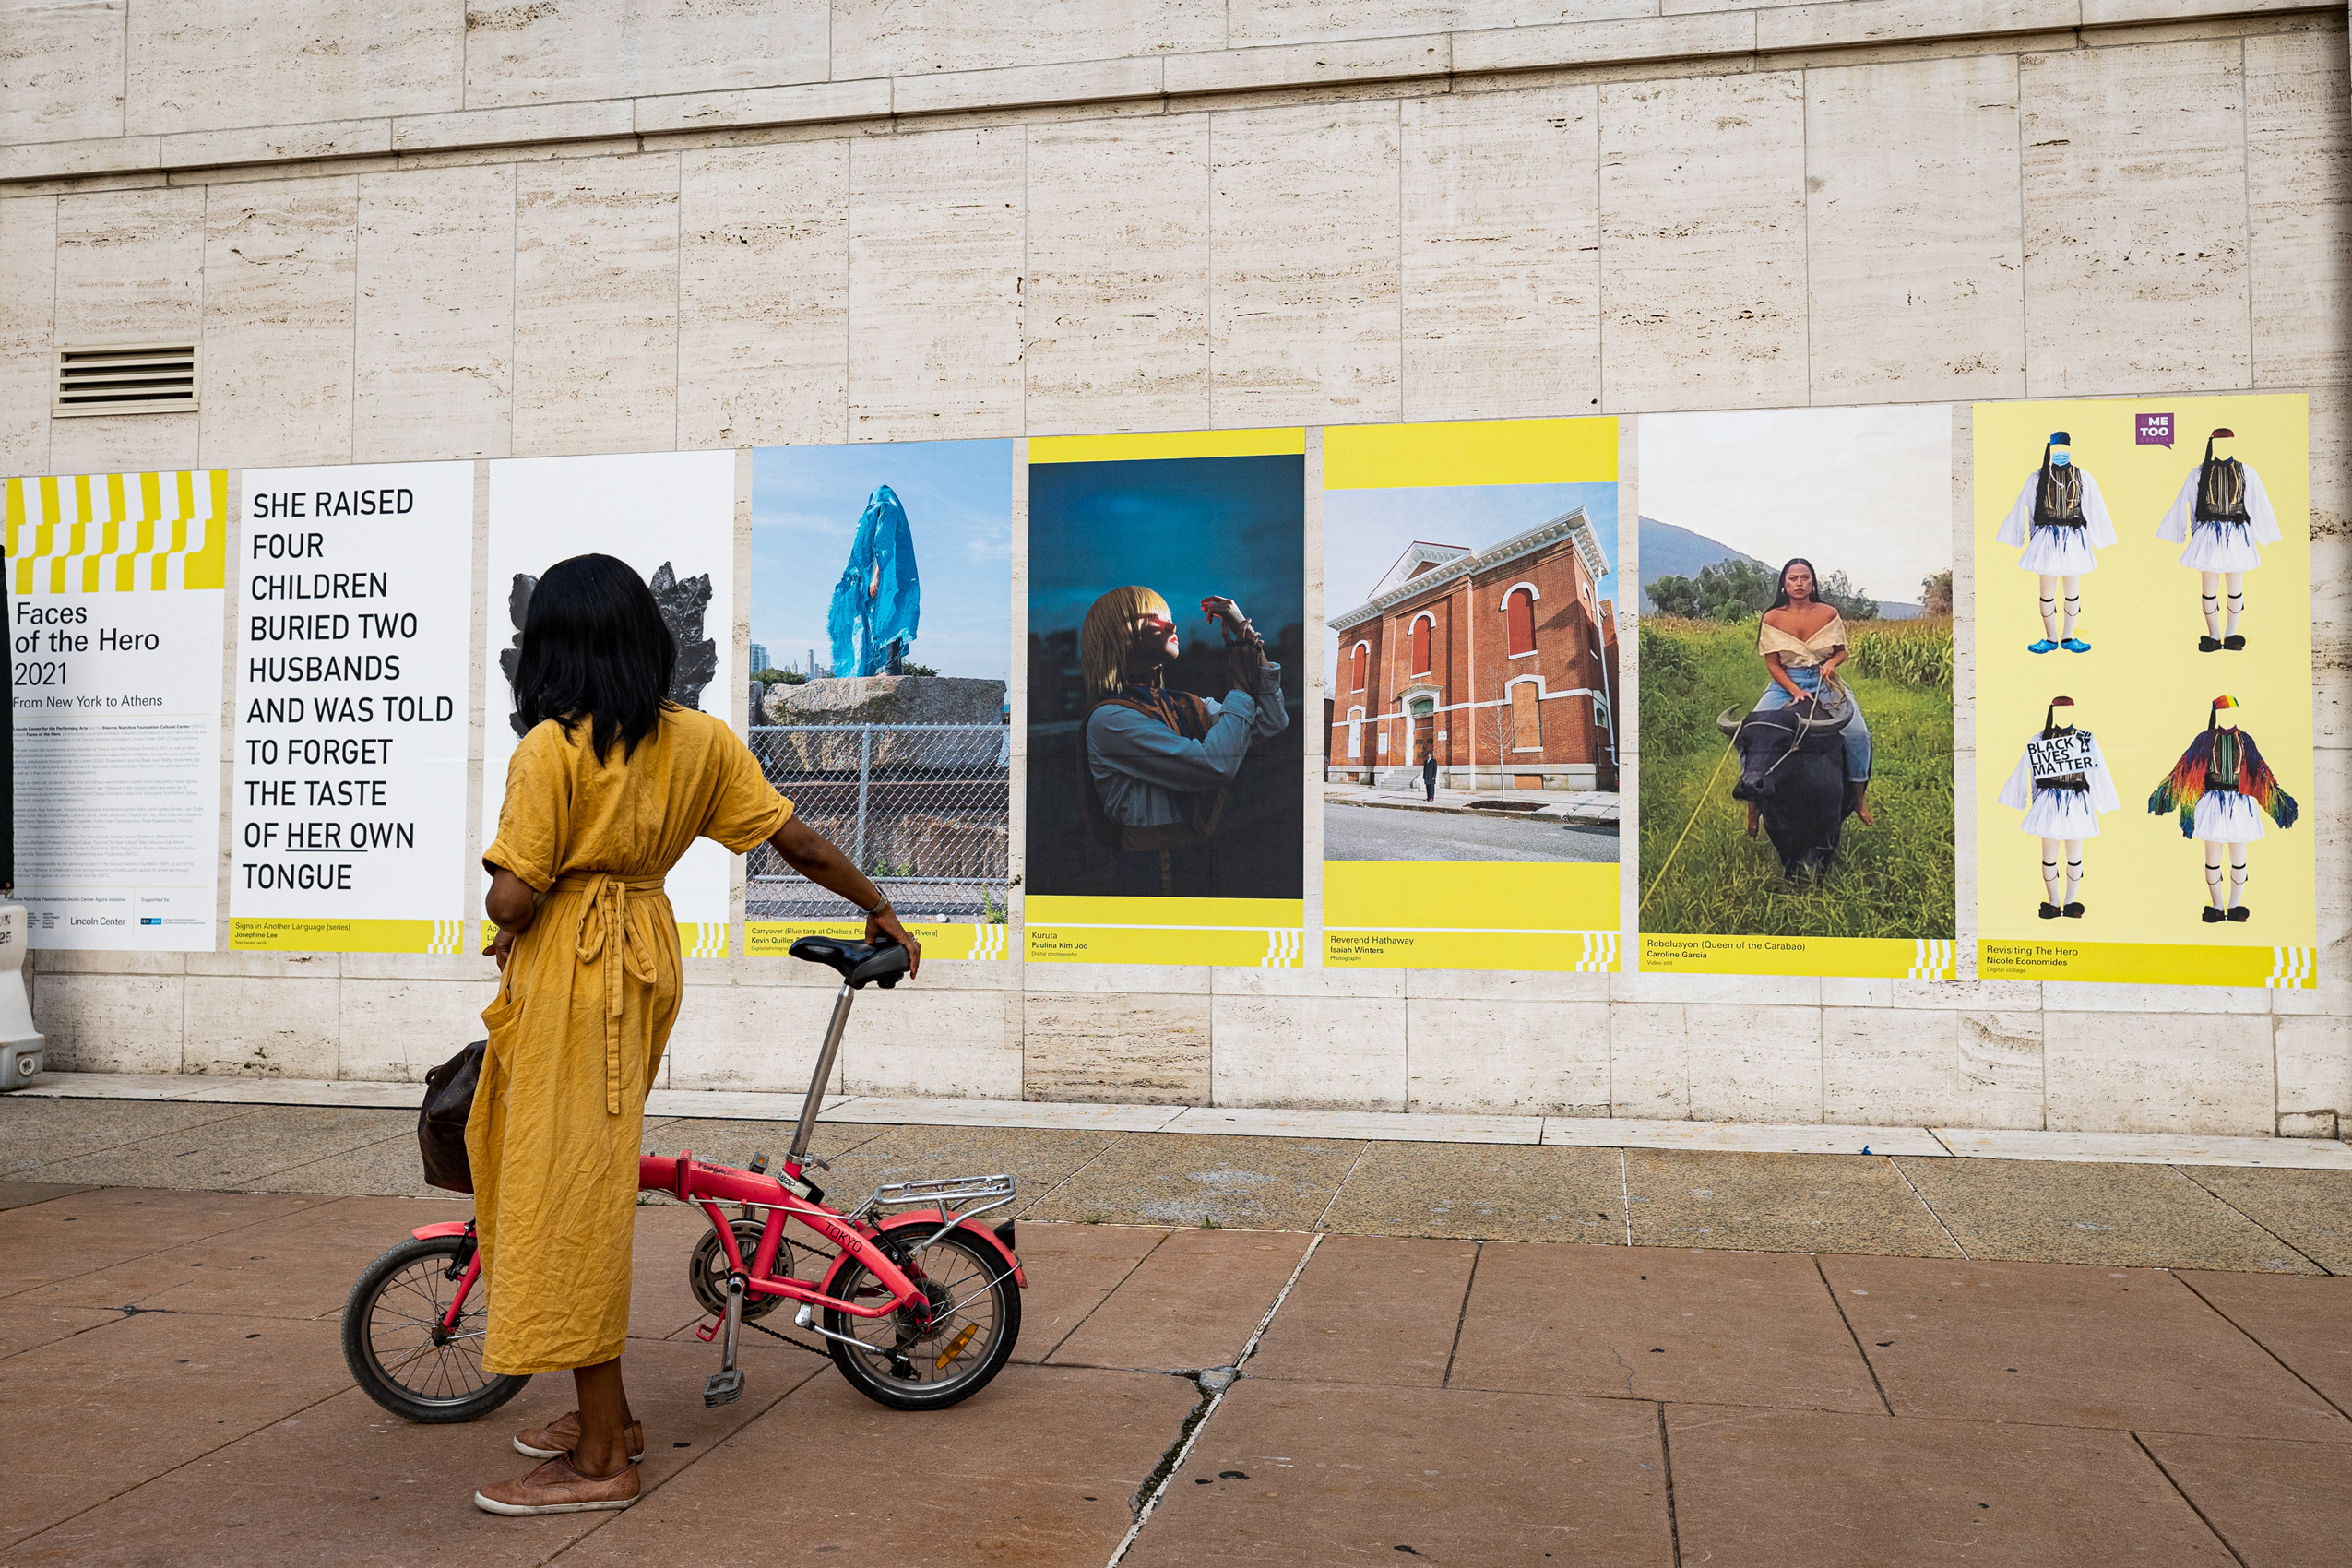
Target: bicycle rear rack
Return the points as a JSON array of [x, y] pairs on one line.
[[946, 1194]]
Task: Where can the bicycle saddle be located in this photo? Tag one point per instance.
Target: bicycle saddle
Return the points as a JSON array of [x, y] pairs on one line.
[[860, 963]]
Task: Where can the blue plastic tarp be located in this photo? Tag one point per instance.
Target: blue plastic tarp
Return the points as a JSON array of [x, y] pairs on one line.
[[878, 600]]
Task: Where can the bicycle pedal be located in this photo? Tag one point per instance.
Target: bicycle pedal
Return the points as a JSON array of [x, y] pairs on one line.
[[723, 1388]]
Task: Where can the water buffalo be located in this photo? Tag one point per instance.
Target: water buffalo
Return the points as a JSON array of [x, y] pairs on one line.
[[1792, 767]]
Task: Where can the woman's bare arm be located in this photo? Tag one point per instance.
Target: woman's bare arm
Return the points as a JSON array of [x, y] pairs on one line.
[[511, 903], [1780, 675], [814, 856]]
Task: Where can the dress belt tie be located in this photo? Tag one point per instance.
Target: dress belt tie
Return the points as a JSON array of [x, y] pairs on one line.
[[605, 937]]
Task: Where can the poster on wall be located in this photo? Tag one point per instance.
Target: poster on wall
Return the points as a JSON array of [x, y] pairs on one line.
[[348, 762], [1167, 623], [882, 624], [115, 612], [1470, 777], [1795, 772], [2143, 691], [671, 516]]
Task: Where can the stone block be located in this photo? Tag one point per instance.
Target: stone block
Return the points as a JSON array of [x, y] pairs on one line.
[[2135, 190], [1702, 36], [130, 269], [936, 270], [1118, 253], [64, 69], [1650, 1061], [263, 1027], [1309, 65], [1305, 283], [1509, 1057], [1331, 22], [1492, 985], [72, 160], [1833, 24], [2314, 1057], [434, 365], [1755, 1063], [1328, 1053], [398, 1030], [895, 37], [1703, 250], [732, 1036], [2160, 1073], [277, 144], [574, 50], [808, 104], [2299, 193], [1913, 252], [280, 280], [1890, 1067], [200, 64], [1135, 1049], [496, 128], [764, 295], [27, 329], [109, 1023], [1502, 253], [954, 1044], [1020, 86], [596, 305]]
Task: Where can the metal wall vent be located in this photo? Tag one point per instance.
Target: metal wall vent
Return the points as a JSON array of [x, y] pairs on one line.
[[126, 378]]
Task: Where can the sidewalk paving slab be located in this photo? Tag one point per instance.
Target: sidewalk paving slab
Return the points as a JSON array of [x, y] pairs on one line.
[[1738, 1137], [69, 1237], [2128, 1216], [1498, 1193], [1037, 1162], [1072, 1270], [1171, 1179], [1808, 1202], [1730, 1328], [1419, 1126], [1370, 1310], [231, 1152], [24, 1324], [38, 1134], [1192, 1303], [2310, 1210], [1301, 1475], [1039, 1469], [346, 1482], [2162, 1148], [17, 1195], [1795, 1489], [2276, 1504], [2307, 1324], [2063, 1345]]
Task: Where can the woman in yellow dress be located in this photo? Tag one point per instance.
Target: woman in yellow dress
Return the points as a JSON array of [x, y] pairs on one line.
[[610, 785]]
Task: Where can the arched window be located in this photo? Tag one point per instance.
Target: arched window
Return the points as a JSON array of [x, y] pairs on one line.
[[1519, 618], [1420, 645], [1358, 659]]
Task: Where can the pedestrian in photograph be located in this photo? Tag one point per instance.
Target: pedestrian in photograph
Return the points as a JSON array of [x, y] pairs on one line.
[[1429, 771], [611, 782]]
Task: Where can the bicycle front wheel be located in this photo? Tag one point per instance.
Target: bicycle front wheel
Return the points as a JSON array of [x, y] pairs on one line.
[[394, 1344], [908, 1363]]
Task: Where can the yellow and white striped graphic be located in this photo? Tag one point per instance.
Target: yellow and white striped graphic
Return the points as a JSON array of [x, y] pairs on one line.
[[990, 941], [706, 939], [1601, 954], [118, 533], [1932, 958], [448, 937], [2293, 968], [1285, 949]]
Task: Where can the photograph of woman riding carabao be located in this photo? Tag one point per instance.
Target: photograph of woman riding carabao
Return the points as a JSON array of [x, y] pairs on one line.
[[1796, 729], [610, 785]]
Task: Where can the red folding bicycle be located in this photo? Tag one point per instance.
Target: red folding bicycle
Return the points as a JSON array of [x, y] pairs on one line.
[[917, 1302]]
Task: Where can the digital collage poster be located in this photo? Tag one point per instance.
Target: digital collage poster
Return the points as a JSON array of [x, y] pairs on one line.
[[348, 756], [671, 516], [1167, 631], [1469, 802], [882, 604], [115, 602], [1797, 748], [2143, 691]]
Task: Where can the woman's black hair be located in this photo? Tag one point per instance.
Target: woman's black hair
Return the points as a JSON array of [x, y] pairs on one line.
[[595, 649], [1780, 598]]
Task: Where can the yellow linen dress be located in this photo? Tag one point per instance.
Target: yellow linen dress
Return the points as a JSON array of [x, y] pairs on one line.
[[582, 1012]]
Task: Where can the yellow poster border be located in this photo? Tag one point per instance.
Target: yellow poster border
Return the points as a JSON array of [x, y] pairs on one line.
[[307, 933], [1471, 454], [1846, 957], [1494, 915], [2148, 963], [962, 941], [1229, 933], [1158, 445]]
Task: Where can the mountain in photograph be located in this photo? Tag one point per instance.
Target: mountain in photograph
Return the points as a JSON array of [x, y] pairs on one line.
[[1671, 551]]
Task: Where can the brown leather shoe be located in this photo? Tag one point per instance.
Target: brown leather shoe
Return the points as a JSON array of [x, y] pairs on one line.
[[556, 1487], [561, 1435]]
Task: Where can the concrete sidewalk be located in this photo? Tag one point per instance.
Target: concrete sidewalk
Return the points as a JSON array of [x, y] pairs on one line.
[[1598, 807], [1772, 1374]]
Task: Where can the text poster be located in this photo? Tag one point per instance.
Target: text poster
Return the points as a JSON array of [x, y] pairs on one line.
[[882, 625], [2145, 765], [1470, 778], [114, 615], [348, 788], [1167, 630], [1795, 693], [671, 516]]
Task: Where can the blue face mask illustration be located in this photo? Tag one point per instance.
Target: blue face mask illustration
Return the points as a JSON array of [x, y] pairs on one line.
[[2059, 459]]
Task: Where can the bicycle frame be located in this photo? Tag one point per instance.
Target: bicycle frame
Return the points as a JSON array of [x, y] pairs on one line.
[[706, 1186]]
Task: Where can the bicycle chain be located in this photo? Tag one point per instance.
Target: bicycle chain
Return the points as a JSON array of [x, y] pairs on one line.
[[811, 1349]]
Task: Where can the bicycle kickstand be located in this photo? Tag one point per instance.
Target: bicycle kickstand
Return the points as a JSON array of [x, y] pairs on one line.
[[726, 1385]]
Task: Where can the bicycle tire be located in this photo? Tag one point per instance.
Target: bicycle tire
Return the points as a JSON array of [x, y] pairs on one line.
[[901, 1394], [406, 1389]]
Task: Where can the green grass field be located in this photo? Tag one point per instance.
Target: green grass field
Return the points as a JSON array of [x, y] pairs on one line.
[[1894, 880]]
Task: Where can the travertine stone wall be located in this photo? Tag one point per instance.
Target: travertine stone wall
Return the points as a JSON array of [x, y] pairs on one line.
[[434, 228]]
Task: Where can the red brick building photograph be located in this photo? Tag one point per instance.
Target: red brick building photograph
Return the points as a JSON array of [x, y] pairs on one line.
[[1501, 662]]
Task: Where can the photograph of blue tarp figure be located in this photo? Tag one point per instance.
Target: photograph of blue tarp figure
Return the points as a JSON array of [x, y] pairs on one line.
[[881, 637]]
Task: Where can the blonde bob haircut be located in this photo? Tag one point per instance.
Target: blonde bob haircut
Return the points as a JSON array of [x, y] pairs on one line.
[[1108, 635]]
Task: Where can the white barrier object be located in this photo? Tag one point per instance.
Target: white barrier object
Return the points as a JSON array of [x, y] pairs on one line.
[[21, 1043]]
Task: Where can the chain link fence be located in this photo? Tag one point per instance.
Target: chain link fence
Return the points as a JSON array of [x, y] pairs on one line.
[[922, 809]]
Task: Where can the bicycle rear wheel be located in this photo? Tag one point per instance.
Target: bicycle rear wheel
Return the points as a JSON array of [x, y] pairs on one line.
[[908, 1364], [396, 1347]]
